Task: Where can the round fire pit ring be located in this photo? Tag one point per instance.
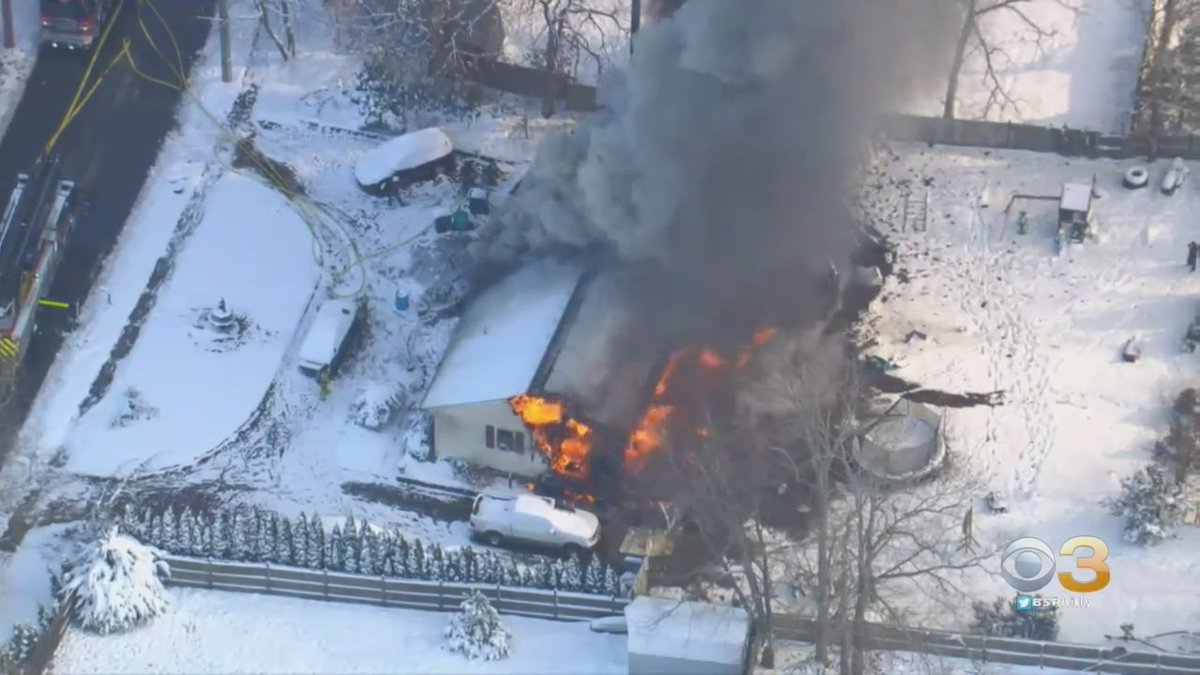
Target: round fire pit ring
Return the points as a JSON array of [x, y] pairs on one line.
[[901, 446]]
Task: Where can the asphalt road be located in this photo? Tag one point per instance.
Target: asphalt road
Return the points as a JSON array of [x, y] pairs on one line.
[[108, 150]]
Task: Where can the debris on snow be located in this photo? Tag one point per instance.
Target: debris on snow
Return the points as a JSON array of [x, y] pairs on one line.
[[115, 584], [375, 404], [476, 631], [132, 408]]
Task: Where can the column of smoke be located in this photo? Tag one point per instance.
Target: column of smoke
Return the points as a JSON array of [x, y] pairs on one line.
[[724, 155]]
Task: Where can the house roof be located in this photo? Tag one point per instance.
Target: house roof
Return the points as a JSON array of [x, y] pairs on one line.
[[606, 361], [692, 631], [504, 335], [1076, 197]]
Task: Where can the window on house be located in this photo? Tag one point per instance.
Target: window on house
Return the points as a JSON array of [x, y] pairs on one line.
[[511, 441], [489, 436]]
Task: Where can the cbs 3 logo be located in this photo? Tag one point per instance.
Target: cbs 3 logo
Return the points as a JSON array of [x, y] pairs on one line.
[[1028, 564]]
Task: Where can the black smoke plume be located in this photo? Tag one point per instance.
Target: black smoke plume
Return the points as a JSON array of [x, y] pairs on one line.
[[723, 161]]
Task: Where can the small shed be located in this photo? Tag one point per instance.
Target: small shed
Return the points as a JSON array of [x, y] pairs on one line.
[[668, 637], [1075, 210]]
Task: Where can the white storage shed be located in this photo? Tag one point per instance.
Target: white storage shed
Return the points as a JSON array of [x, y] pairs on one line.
[[672, 637]]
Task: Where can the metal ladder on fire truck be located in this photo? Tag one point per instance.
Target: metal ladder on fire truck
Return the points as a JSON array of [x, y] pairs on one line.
[[33, 235]]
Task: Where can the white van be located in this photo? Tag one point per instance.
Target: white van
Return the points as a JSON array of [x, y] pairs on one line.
[[327, 336]]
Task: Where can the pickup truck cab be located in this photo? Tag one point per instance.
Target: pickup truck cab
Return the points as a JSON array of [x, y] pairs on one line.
[[532, 519], [72, 24]]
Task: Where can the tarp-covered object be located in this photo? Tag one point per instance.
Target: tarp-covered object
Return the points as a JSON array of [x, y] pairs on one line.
[[406, 157]]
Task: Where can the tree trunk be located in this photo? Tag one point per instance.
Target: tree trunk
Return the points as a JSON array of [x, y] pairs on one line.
[[266, 24], [821, 632], [550, 95], [960, 55], [285, 6]]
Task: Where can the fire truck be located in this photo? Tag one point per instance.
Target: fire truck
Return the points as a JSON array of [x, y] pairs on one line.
[[37, 220]]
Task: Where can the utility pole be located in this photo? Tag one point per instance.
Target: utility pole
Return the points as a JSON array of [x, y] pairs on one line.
[[226, 42], [10, 39]]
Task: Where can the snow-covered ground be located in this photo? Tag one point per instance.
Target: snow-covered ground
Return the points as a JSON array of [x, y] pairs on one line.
[[216, 632], [25, 577], [186, 386], [790, 657], [16, 63], [1082, 75], [1003, 312]]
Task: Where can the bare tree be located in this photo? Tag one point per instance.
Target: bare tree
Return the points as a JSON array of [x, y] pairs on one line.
[[974, 41], [572, 32]]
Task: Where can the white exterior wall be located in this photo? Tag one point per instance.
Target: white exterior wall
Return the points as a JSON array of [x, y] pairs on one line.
[[459, 433]]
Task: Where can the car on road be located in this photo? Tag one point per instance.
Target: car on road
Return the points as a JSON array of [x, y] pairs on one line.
[[73, 24], [533, 519]]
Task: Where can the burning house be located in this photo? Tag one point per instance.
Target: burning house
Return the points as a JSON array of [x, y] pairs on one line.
[[551, 371]]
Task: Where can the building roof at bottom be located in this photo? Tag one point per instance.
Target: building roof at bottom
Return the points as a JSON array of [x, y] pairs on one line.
[[504, 335], [693, 631]]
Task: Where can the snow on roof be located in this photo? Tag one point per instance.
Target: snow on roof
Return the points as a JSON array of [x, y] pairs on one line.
[[401, 154], [328, 328], [503, 336], [1076, 197], [605, 362], [693, 631]]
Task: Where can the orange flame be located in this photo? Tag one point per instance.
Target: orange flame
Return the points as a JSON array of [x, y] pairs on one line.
[[563, 440]]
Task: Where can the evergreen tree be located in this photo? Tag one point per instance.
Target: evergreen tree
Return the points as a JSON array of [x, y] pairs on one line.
[[593, 578], [223, 538], [127, 520], [316, 544], [470, 565], [544, 575], [157, 535], [1002, 619], [1151, 504], [186, 530], [351, 533], [564, 573], [257, 543], [487, 568], [476, 631], [337, 550], [452, 567], [211, 541], [612, 582], [170, 531], [366, 564], [300, 535], [285, 552], [241, 535], [419, 565], [379, 548], [436, 567], [401, 556]]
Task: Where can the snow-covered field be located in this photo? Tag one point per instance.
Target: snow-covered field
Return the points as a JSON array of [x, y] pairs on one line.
[[1003, 312], [1083, 73], [216, 632], [16, 63]]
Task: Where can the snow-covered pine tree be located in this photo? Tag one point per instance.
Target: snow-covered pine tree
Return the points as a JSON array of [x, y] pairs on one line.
[[401, 556], [476, 631], [125, 519], [573, 574], [377, 543], [223, 536], [316, 544], [300, 534], [487, 568], [170, 541], [209, 536], [259, 543], [242, 535], [284, 554], [1151, 505], [200, 532], [337, 550], [470, 565], [1001, 619], [452, 567], [21, 645], [186, 530], [155, 537], [366, 564], [612, 582], [435, 567], [593, 578], [419, 565], [350, 534], [115, 584], [544, 575]]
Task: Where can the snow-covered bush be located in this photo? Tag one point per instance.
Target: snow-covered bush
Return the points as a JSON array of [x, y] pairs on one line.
[[115, 585], [476, 631], [1001, 619], [375, 405], [1150, 504]]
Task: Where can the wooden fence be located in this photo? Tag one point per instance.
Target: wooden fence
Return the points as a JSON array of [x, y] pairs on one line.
[[980, 648], [385, 591]]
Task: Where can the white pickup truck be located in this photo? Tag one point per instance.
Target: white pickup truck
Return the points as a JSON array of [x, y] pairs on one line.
[[535, 520]]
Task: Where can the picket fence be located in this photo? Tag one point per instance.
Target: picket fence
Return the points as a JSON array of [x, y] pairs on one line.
[[984, 649], [385, 591]]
